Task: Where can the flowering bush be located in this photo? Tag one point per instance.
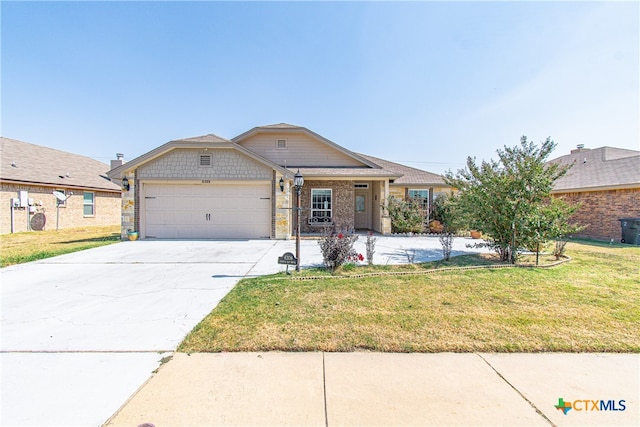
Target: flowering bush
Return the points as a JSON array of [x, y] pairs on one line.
[[337, 249]]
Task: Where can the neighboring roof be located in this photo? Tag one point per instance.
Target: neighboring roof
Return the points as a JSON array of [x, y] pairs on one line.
[[285, 127], [599, 169], [408, 175], [34, 164], [202, 142]]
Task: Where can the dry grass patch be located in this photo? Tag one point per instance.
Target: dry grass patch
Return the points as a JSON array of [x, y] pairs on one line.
[[17, 248], [591, 304]]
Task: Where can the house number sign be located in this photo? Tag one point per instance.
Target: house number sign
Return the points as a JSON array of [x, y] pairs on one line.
[[287, 258]]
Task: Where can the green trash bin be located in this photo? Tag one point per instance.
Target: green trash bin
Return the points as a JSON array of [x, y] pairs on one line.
[[630, 230]]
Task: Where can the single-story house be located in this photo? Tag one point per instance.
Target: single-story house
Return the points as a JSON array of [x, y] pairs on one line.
[[29, 176], [212, 187], [606, 182]]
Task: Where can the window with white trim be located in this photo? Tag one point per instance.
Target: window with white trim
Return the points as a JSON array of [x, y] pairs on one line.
[[321, 205], [421, 196], [88, 203]]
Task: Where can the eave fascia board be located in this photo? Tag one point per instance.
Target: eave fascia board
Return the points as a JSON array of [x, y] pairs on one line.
[[61, 185], [419, 184], [630, 186]]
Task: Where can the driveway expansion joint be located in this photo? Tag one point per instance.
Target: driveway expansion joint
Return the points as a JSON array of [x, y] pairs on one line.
[[264, 254], [538, 411], [324, 387]]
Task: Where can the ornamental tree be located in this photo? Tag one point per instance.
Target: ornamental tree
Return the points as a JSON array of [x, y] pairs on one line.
[[509, 200]]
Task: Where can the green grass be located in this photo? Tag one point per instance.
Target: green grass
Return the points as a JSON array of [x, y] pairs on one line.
[[19, 248], [591, 304]]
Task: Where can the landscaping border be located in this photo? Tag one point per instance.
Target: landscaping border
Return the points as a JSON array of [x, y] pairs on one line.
[[432, 271]]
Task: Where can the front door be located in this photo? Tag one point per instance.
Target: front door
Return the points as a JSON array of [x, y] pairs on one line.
[[363, 209]]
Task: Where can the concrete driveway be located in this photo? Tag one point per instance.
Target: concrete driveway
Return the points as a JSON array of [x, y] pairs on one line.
[[82, 332]]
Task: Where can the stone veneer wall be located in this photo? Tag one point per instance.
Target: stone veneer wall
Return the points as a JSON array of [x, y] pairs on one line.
[[601, 210], [129, 207], [282, 205], [343, 200]]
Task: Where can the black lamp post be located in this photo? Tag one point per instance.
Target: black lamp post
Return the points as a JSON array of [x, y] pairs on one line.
[[298, 181]]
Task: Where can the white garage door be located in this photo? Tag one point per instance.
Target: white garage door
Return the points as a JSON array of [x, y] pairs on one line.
[[228, 211]]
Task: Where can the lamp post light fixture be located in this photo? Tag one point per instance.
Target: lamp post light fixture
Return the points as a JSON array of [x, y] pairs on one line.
[[125, 184], [281, 182], [298, 181]]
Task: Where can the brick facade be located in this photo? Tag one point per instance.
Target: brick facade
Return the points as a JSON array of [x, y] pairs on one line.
[[106, 208], [343, 201], [601, 210]]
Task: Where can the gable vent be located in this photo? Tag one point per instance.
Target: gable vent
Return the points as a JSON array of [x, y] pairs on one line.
[[205, 160], [281, 144]]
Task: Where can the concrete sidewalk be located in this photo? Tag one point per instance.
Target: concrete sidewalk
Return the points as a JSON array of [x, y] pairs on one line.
[[344, 389]]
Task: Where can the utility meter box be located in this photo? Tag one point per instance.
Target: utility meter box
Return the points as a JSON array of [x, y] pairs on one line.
[[24, 198]]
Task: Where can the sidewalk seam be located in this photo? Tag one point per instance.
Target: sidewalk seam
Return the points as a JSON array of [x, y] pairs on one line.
[[538, 411], [324, 386], [275, 242]]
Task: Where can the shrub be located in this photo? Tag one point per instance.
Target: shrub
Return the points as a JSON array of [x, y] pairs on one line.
[[406, 216], [445, 213], [337, 248], [436, 226]]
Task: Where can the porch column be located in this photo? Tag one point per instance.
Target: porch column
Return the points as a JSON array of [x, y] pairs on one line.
[[386, 220]]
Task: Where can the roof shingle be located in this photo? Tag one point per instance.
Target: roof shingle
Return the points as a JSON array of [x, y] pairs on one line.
[[599, 168], [409, 175], [30, 163]]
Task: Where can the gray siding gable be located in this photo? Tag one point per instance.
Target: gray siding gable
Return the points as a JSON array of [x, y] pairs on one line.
[[184, 164]]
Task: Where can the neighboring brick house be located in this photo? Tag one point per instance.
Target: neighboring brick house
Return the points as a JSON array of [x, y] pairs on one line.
[[606, 182], [29, 174], [211, 187]]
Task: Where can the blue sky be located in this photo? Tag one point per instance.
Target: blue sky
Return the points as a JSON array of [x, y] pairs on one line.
[[421, 83]]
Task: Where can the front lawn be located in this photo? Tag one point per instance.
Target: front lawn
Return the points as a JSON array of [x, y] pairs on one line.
[[591, 304], [17, 248]]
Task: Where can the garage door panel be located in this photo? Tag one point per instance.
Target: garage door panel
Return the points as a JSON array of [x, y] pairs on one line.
[[207, 211]]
